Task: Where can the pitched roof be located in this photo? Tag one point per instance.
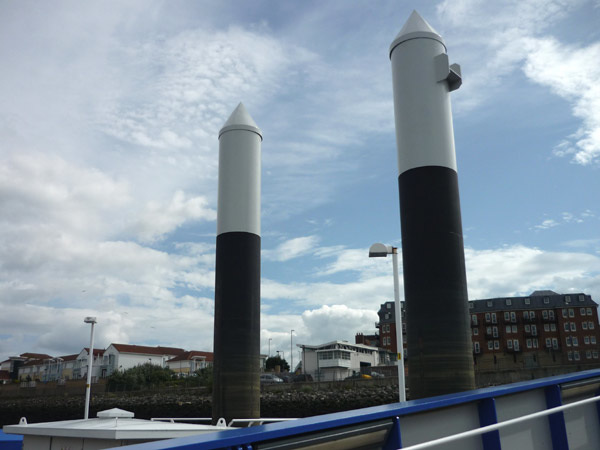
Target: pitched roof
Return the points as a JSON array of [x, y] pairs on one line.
[[546, 300], [186, 356], [35, 355], [127, 348], [97, 351], [72, 357]]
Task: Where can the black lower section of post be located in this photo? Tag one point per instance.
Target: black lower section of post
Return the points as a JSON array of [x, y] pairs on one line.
[[440, 358], [236, 370]]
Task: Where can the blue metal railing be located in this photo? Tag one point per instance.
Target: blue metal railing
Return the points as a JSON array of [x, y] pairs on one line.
[[388, 425]]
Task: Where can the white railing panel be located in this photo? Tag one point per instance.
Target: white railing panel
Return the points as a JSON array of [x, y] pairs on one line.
[[533, 435], [442, 422], [583, 427]]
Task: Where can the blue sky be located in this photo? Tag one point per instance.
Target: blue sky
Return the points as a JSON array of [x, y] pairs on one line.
[[109, 151]]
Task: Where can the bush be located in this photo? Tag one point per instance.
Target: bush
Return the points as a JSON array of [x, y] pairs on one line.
[[140, 377]]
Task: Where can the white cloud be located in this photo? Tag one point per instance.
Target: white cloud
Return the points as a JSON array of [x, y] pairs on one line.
[[158, 220], [495, 39], [572, 73], [292, 248]]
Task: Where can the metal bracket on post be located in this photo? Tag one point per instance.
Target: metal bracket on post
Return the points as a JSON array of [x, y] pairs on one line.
[[394, 438], [447, 72]]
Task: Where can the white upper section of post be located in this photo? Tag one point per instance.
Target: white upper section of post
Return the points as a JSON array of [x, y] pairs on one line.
[[239, 174], [424, 131]]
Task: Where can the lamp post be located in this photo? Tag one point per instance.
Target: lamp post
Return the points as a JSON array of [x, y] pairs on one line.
[[270, 339], [91, 320], [291, 351], [381, 250]]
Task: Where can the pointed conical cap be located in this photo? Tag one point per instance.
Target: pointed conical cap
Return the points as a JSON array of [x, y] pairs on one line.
[[240, 119], [414, 28]]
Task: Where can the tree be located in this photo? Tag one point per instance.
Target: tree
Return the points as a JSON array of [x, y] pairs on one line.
[[277, 361]]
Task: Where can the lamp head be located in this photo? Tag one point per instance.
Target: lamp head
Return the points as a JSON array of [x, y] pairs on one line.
[[379, 250], [90, 320]]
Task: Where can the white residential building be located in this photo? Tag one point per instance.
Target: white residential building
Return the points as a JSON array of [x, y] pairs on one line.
[[337, 360], [124, 356], [189, 362]]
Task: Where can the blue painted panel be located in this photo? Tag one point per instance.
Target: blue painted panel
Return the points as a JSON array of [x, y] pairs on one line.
[[558, 429], [10, 441], [488, 416], [394, 439]]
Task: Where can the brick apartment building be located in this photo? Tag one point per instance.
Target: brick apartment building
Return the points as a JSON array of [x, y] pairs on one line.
[[542, 330]]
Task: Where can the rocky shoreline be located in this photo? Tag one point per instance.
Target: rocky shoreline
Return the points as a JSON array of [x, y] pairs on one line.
[[194, 403]]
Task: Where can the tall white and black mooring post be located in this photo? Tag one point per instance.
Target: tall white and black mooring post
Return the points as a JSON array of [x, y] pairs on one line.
[[236, 371], [440, 358]]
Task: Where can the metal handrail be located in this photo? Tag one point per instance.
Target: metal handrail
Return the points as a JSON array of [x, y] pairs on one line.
[[499, 425]]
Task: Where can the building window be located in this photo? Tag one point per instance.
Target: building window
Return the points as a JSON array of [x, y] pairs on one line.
[[551, 314], [527, 328], [475, 332], [494, 320], [588, 354], [546, 327], [508, 328], [487, 317], [568, 341], [534, 330], [566, 325], [476, 345], [552, 327], [495, 332], [489, 303], [490, 345], [573, 326], [584, 325], [581, 298], [535, 343], [508, 302], [509, 344], [529, 343], [571, 312], [576, 355], [570, 356], [591, 325], [595, 354], [525, 314], [488, 330], [575, 342], [514, 328], [586, 340], [582, 311], [546, 300], [506, 316], [532, 315], [474, 319], [516, 344], [513, 317], [554, 343], [496, 345], [589, 311], [564, 311], [527, 301], [593, 340], [545, 314], [471, 306], [567, 299], [388, 305]]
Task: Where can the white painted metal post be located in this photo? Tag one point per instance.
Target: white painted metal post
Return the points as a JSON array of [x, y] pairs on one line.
[[399, 339], [91, 320]]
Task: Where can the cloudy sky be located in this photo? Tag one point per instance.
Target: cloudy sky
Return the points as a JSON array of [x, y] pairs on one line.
[[109, 113]]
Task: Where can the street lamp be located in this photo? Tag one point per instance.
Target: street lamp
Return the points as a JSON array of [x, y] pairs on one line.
[[380, 250], [91, 320], [291, 351], [270, 339]]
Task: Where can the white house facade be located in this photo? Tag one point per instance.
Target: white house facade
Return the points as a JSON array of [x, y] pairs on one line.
[[337, 360], [124, 356]]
